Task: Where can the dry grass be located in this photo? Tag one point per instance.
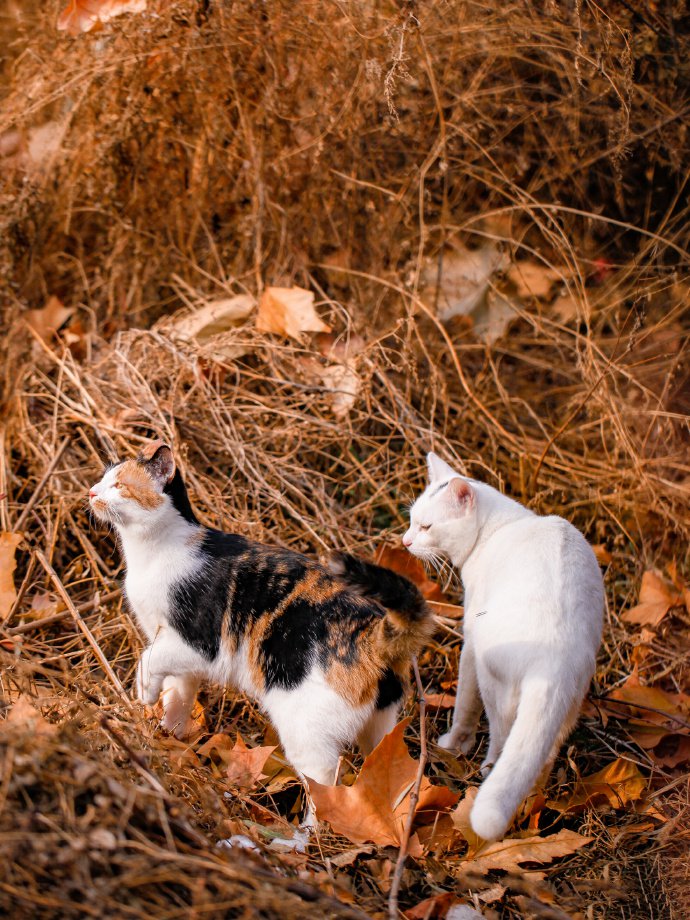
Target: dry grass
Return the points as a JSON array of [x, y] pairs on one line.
[[215, 148]]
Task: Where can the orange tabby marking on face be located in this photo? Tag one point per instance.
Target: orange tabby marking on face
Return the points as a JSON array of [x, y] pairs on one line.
[[135, 483]]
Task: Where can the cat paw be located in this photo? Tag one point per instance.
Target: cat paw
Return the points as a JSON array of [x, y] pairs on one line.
[[148, 686], [459, 743], [486, 767]]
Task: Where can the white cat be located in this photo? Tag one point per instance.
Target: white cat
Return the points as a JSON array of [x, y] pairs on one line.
[[534, 601]]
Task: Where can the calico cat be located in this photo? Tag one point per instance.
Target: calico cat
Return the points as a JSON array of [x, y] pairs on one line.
[[326, 654], [534, 601]]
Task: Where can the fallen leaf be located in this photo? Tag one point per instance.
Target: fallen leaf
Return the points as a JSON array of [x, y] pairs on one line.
[[347, 857], [25, 717], [511, 853], [399, 560], [604, 557], [42, 605], [374, 809], [245, 766], [493, 316], [212, 318], [344, 384], [464, 279], [8, 547], [289, 311], [533, 279], [439, 700], [432, 908], [84, 15], [461, 820], [616, 784], [49, 318], [656, 599]]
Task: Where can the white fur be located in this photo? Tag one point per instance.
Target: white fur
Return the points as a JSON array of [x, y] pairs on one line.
[[160, 547], [534, 604]]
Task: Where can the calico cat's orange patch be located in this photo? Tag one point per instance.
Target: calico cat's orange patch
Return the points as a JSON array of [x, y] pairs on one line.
[[135, 483]]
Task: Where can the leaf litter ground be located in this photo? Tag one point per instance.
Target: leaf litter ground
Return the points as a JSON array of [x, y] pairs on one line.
[[299, 357]]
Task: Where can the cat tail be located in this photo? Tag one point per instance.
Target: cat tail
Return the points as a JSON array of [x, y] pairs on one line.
[[408, 623], [544, 717]]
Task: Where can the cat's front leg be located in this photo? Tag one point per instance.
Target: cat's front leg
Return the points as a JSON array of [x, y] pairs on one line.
[[179, 696], [167, 656], [149, 681], [468, 706]]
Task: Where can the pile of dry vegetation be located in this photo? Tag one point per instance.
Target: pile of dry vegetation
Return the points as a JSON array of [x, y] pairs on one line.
[[305, 243]]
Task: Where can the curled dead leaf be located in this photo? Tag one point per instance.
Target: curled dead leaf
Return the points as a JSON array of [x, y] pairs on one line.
[[511, 853], [85, 15], [289, 311], [615, 785], [49, 318], [8, 547]]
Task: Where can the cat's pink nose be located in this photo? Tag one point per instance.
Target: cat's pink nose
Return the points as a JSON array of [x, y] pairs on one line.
[[406, 540], [92, 494]]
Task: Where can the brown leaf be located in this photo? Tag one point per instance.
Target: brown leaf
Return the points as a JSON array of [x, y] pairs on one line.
[[616, 784], [288, 311], [399, 560], [656, 599], [244, 765], [374, 809], [432, 908], [212, 318], [511, 853], [8, 547], [84, 15], [533, 279], [439, 700], [461, 819], [48, 319], [26, 718], [604, 557]]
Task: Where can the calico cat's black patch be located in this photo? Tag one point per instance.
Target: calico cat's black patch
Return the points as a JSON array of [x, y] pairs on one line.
[[390, 689], [178, 493], [288, 648]]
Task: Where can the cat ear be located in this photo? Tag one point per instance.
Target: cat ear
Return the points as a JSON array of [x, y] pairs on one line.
[[460, 493], [158, 459], [438, 469]]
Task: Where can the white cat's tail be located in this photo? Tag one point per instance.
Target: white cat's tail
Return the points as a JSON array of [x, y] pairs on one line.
[[542, 719]]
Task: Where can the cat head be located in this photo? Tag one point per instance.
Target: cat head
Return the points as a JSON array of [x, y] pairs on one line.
[[140, 491], [443, 520]]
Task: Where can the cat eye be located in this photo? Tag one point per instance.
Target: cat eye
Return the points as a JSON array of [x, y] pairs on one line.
[[424, 526]]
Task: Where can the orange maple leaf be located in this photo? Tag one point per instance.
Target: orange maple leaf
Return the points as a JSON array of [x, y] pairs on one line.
[[375, 808], [656, 599]]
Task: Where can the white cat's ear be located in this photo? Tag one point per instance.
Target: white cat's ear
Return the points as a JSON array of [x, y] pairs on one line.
[[438, 469], [460, 493], [158, 459]]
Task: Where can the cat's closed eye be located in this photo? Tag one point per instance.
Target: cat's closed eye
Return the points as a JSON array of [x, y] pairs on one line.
[[424, 526]]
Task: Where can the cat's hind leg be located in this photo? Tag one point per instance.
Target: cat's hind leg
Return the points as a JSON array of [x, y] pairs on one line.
[[468, 707], [314, 723], [500, 703], [380, 723]]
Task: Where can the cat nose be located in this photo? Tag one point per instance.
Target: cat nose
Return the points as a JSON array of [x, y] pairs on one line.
[[407, 541], [92, 494]]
